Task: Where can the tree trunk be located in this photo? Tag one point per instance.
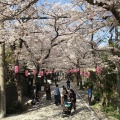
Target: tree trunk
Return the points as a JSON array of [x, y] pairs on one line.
[[77, 77], [108, 99], [19, 89], [36, 76], [17, 81], [118, 85], [113, 6], [80, 82], [81, 87], [2, 82], [103, 100]]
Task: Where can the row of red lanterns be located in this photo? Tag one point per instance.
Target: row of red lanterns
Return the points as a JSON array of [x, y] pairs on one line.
[[41, 73], [74, 70], [34, 72], [85, 74]]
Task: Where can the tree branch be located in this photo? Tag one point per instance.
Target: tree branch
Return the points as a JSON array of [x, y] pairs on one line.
[[108, 5]]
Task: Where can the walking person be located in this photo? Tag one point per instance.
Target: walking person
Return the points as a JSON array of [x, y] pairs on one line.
[[48, 91], [56, 94], [55, 81], [68, 84], [72, 98], [65, 92], [35, 95], [89, 91], [62, 94]]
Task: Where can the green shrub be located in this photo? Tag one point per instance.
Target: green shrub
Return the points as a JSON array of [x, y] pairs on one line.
[[111, 111], [96, 94]]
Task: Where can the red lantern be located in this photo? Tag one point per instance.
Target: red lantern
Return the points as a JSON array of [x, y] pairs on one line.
[[47, 72], [88, 74], [98, 69], [26, 72], [85, 74], [72, 71], [34, 72], [81, 73], [41, 73], [16, 69], [77, 70]]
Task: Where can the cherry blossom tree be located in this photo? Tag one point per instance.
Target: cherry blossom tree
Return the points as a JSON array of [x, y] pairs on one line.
[[108, 5], [42, 31]]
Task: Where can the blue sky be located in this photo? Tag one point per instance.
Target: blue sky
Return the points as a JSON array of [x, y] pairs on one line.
[[62, 1]]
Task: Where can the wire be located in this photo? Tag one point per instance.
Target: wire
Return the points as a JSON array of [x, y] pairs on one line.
[[101, 39]]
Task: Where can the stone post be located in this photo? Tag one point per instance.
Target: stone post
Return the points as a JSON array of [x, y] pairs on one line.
[[2, 83], [2, 80]]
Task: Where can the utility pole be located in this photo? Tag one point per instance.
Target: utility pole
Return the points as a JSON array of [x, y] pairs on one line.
[[2, 80]]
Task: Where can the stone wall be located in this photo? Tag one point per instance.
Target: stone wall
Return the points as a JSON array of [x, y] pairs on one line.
[[11, 92]]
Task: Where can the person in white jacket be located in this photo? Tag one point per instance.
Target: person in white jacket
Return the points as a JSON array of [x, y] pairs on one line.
[[62, 94]]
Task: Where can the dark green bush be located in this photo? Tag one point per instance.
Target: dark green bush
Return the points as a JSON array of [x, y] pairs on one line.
[[111, 111]]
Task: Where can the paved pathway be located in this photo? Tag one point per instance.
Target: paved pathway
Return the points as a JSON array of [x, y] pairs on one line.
[[47, 110]]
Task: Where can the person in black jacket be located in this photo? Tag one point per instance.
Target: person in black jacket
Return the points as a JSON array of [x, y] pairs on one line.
[[48, 91], [72, 98], [68, 84], [65, 95]]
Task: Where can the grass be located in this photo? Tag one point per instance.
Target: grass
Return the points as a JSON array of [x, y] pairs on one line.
[[111, 111]]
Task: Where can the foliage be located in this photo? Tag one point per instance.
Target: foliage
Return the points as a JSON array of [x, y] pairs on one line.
[[9, 58], [10, 83], [9, 61], [88, 83], [92, 76], [104, 84], [111, 111], [108, 4]]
